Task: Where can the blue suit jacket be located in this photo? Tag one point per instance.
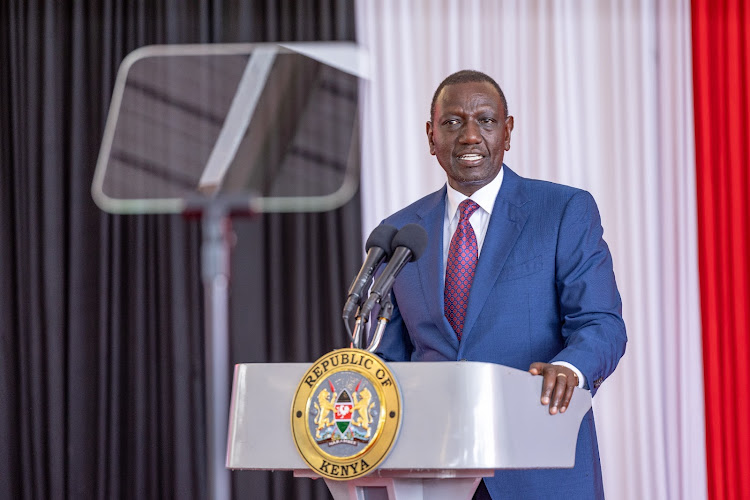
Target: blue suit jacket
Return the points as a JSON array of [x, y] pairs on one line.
[[544, 290]]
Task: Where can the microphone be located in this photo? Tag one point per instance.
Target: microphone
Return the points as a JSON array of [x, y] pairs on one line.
[[408, 246], [378, 248]]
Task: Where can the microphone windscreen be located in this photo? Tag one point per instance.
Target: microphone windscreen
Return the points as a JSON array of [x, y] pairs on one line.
[[413, 237], [381, 237]]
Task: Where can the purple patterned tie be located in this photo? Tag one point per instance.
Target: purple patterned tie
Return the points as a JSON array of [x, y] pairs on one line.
[[459, 271]]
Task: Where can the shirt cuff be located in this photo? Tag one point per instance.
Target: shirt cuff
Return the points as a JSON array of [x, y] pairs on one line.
[[581, 379]]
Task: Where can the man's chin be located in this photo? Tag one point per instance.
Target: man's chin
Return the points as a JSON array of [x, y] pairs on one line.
[[469, 186], [475, 176]]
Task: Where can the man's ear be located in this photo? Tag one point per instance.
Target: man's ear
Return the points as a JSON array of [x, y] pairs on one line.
[[429, 138], [508, 130]]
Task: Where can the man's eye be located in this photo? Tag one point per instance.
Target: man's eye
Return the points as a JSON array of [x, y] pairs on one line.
[[450, 122], [487, 120]]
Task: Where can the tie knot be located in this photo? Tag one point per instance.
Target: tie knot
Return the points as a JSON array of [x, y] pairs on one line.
[[467, 208]]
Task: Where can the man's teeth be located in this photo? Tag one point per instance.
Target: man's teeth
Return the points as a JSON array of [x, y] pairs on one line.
[[471, 157]]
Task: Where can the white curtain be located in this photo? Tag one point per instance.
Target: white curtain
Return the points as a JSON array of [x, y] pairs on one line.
[[602, 98]]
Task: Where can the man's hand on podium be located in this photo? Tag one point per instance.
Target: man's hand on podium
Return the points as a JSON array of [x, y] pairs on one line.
[[557, 386]]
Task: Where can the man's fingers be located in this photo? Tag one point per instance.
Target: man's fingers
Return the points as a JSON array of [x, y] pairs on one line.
[[548, 385], [566, 398], [536, 368], [557, 385], [561, 384]]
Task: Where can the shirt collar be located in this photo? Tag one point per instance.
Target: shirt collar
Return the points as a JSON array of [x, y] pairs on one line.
[[484, 196]]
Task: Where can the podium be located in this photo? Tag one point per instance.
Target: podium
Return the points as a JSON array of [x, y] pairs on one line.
[[460, 422]]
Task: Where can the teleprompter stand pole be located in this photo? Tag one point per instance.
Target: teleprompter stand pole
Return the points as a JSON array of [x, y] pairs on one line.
[[216, 226]]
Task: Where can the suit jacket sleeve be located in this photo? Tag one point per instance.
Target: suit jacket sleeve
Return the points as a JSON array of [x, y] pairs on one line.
[[590, 305]]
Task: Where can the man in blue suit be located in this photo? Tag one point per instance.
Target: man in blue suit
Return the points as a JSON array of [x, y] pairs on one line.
[[518, 275]]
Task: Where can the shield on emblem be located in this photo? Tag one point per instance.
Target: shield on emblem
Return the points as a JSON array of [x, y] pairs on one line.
[[343, 414]]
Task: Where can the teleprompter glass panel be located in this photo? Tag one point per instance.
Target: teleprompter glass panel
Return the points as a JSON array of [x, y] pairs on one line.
[[278, 124]]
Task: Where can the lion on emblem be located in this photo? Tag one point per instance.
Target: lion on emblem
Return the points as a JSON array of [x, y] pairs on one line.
[[363, 405], [324, 407]]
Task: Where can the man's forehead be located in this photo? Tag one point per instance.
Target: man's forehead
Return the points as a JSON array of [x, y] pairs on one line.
[[478, 94]]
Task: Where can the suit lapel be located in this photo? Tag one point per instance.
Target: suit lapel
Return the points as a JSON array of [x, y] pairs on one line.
[[431, 264], [506, 223]]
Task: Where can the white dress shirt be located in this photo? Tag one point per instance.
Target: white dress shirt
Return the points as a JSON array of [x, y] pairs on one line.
[[479, 220]]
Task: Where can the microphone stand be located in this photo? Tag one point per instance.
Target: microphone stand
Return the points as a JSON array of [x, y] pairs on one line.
[[359, 338], [384, 316]]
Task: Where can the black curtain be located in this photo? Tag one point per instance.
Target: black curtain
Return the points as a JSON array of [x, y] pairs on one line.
[[101, 316]]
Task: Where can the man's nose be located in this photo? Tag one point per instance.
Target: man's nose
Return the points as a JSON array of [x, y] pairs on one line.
[[470, 133]]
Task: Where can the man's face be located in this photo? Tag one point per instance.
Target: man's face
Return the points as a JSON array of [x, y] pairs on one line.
[[469, 134]]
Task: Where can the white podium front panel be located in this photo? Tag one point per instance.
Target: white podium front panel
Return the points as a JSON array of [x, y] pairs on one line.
[[456, 415]]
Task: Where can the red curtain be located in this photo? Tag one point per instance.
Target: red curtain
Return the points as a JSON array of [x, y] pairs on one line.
[[721, 76]]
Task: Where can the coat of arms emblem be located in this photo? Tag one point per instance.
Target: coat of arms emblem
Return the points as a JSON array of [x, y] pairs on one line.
[[341, 418], [346, 413]]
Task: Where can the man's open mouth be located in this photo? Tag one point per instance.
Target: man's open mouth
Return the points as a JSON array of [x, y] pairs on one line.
[[470, 157]]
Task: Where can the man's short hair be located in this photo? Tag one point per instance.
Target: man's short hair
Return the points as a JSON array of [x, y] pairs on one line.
[[467, 76]]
